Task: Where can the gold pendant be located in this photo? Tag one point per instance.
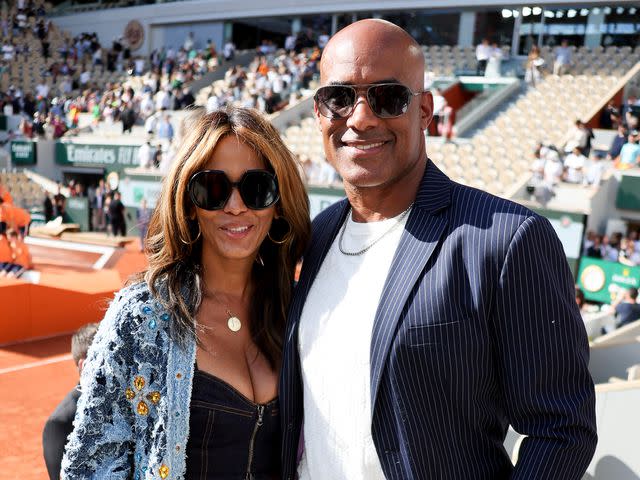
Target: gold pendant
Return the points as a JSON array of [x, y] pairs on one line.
[[234, 324]]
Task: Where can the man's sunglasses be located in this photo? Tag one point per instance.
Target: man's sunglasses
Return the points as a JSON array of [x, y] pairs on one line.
[[211, 189], [386, 100]]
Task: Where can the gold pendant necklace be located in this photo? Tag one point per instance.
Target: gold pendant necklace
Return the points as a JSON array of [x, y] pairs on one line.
[[233, 323]]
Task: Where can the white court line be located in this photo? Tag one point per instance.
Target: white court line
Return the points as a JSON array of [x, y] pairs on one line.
[[41, 363]]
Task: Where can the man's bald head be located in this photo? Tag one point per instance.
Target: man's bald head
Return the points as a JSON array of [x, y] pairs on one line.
[[371, 37]]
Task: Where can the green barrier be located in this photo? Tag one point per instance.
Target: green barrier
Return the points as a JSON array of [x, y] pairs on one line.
[[77, 211], [628, 196], [23, 152], [602, 281]]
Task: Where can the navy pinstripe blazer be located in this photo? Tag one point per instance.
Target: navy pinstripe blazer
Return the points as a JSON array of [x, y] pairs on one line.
[[476, 329]]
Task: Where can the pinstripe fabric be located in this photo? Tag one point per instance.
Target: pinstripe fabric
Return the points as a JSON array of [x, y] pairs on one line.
[[476, 329]]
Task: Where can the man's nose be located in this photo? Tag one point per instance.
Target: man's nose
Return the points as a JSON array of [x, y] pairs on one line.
[[362, 117]]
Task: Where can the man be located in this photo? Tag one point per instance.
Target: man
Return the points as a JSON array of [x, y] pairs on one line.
[[618, 142], [116, 216], [483, 54], [60, 423], [627, 308], [563, 58], [630, 152], [574, 164], [428, 316]]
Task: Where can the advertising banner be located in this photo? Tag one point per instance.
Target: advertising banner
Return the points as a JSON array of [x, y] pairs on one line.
[[23, 152], [110, 157], [603, 281]]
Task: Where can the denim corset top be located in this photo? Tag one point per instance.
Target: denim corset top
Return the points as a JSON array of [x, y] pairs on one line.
[[230, 436]]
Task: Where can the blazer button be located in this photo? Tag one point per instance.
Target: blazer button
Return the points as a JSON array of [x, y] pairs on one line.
[[290, 426]]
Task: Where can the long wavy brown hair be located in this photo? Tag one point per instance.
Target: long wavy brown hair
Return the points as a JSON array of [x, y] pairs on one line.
[[174, 247]]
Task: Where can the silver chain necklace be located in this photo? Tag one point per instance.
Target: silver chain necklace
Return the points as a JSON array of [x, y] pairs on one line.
[[387, 232]]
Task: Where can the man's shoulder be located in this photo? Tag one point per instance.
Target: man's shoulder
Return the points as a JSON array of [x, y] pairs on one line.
[[328, 214], [469, 203]]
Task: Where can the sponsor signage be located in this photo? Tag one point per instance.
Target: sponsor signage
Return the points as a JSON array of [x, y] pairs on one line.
[[23, 152], [110, 157], [603, 281]]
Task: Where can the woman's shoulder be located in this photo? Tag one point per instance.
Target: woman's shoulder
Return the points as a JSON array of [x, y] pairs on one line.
[[134, 307]]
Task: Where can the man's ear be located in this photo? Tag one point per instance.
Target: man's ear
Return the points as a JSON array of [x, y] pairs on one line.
[[80, 365], [426, 110], [316, 112]]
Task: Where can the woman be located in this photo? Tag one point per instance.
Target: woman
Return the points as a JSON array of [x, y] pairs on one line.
[[185, 363]]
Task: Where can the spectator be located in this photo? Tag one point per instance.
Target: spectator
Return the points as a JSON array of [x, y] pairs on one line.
[[493, 68], [97, 207], [59, 203], [116, 216], [47, 207], [626, 308], [595, 250], [229, 51], [143, 217], [574, 164], [563, 58], [5, 195], [535, 62], [60, 424], [165, 129], [580, 137], [20, 256], [595, 171], [128, 118], [610, 117], [616, 145], [483, 53], [628, 254], [145, 155], [553, 167], [630, 152]]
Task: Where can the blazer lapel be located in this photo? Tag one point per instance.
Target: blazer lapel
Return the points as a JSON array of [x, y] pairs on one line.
[[422, 233], [327, 231]]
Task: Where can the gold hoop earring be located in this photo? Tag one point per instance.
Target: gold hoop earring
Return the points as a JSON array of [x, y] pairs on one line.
[[286, 237], [194, 240]]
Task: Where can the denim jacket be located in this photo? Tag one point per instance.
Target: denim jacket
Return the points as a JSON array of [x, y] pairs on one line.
[[132, 419]]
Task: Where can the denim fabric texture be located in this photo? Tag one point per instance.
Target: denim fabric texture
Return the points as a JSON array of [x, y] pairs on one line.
[[132, 420]]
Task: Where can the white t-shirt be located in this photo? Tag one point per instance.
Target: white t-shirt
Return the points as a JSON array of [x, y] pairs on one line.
[[334, 344], [575, 164]]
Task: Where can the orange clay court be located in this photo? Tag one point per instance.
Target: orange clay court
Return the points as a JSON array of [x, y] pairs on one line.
[[71, 286]]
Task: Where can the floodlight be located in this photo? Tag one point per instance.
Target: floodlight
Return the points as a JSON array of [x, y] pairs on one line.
[[584, 12], [571, 13], [526, 11], [633, 10], [549, 13], [607, 10], [536, 10], [506, 13], [619, 10]]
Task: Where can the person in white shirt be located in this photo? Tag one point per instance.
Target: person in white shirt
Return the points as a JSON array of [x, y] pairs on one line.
[[574, 166], [411, 343], [145, 155], [229, 51], [563, 58], [42, 90], [483, 54], [85, 77], [595, 169], [553, 168]]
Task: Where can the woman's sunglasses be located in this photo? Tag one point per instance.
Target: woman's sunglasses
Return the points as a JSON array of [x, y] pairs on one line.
[[211, 189], [386, 100]]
